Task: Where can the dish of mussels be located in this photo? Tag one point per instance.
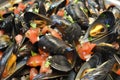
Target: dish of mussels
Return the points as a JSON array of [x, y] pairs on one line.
[[60, 40]]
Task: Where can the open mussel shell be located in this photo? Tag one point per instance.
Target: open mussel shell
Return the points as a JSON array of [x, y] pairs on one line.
[[20, 65], [5, 57], [101, 29], [28, 16]]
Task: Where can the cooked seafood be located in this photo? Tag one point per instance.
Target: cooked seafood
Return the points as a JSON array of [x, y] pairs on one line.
[[60, 40]]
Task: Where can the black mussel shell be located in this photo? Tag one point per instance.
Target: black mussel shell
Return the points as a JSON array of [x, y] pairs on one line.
[[21, 64], [117, 27], [101, 54], [101, 30], [60, 63], [40, 6], [5, 57], [55, 6], [115, 11], [78, 15], [58, 21], [72, 33], [7, 24], [101, 71], [28, 16], [37, 7], [54, 45]]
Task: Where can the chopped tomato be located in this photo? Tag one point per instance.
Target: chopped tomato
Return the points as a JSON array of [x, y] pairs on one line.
[[30, 2], [60, 13], [52, 31], [33, 34], [18, 38], [85, 49], [118, 72], [20, 8], [35, 61], [42, 52], [33, 73], [45, 68], [55, 34]]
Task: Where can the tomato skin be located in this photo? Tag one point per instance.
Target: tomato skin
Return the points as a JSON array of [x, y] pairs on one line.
[[85, 49], [35, 61], [33, 34], [33, 73]]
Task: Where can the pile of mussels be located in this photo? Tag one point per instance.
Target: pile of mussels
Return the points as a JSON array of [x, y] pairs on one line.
[[60, 40]]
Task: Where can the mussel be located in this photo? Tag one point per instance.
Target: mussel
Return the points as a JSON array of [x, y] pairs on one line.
[[6, 55], [54, 45], [70, 31], [101, 29], [77, 15], [101, 55]]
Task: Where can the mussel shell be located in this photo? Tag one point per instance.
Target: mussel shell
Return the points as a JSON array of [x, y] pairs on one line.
[[107, 20], [72, 32], [53, 75], [60, 63], [6, 55], [7, 24], [115, 11], [4, 41], [37, 7], [55, 6], [28, 16], [20, 65], [113, 76], [41, 7], [78, 15], [101, 54], [54, 45], [101, 71]]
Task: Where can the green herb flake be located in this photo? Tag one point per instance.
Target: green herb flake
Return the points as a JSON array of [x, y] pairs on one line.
[[70, 19], [33, 53], [107, 25], [36, 10], [23, 48], [75, 1], [85, 10], [33, 25], [90, 38], [47, 63]]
